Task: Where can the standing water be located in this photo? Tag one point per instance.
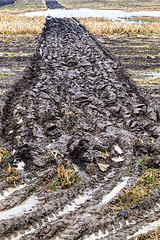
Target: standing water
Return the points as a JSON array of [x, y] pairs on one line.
[[86, 12]]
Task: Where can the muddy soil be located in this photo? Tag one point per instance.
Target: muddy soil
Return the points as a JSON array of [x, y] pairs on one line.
[[75, 98], [15, 52], [53, 4], [141, 56]]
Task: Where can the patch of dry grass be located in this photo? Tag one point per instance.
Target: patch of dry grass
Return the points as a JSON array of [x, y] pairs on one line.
[[102, 26], [150, 236], [147, 81], [147, 182], [11, 23], [26, 4], [3, 154], [66, 174]]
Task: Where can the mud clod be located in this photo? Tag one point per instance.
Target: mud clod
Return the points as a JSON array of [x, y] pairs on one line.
[[122, 214]]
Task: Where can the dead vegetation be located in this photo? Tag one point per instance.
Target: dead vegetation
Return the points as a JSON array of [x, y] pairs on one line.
[[12, 175], [11, 23], [66, 175], [149, 180], [150, 236], [102, 26], [147, 81], [3, 154]]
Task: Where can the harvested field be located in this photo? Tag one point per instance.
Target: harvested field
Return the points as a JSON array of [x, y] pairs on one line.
[[103, 26], [23, 4], [140, 55], [112, 4], [20, 24]]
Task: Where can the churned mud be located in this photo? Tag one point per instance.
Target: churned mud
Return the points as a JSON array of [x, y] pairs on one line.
[[76, 106]]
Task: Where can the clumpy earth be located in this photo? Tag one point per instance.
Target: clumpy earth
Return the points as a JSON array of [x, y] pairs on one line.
[[77, 97], [76, 105]]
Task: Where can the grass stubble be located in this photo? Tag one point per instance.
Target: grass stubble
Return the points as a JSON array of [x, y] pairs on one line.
[[12, 23], [103, 26]]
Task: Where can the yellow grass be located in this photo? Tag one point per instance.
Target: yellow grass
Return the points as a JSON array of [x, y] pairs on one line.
[[102, 26], [10, 23], [147, 81]]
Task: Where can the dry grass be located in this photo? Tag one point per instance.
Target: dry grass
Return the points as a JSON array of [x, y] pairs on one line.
[[147, 81], [3, 154], [11, 23], [147, 182], [66, 175], [12, 175], [102, 26], [150, 236], [26, 4]]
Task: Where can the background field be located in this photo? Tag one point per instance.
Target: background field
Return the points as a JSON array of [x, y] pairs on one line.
[[26, 4], [118, 4]]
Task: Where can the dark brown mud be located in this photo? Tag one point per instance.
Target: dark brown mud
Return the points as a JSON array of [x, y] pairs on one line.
[[76, 98], [53, 4]]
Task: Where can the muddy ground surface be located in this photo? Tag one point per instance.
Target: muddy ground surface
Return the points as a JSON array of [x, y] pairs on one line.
[[15, 52], [140, 53], [77, 100], [53, 4]]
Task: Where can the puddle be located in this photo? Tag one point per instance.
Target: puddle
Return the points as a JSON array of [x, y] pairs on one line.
[[20, 166], [76, 204], [67, 209], [114, 191], [146, 74], [5, 70], [9, 191], [19, 210], [86, 12], [146, 229]]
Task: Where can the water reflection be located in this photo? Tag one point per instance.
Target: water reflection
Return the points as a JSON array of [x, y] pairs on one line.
[[86, 12]]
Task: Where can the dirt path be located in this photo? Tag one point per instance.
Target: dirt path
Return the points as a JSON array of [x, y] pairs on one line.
[[78, 101]]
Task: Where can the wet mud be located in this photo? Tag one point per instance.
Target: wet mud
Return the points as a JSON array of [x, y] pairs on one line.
[[53, 4], [80, 98], [75, 98], [140, 55]]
